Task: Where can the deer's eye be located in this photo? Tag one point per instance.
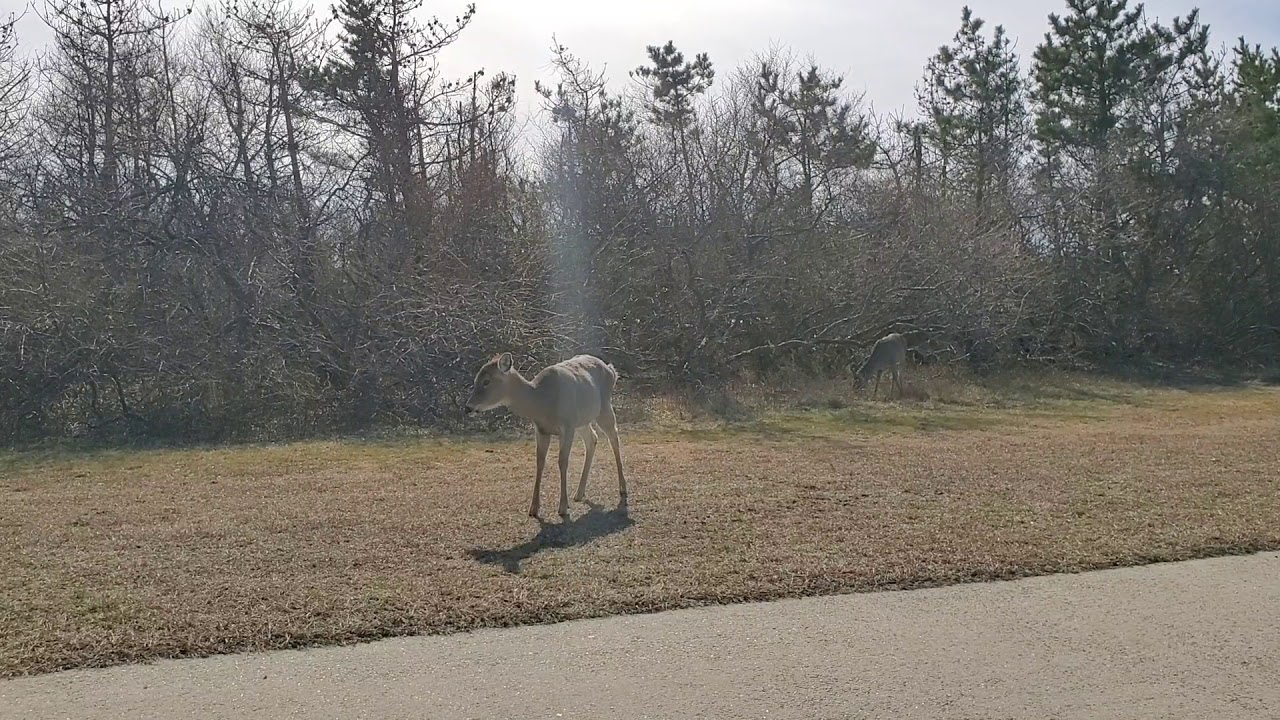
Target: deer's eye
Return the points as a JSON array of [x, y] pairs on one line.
[[485, 383]]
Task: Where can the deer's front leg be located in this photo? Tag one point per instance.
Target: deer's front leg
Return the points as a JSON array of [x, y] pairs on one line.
[[544, 444], [589, 439], [566, 446]]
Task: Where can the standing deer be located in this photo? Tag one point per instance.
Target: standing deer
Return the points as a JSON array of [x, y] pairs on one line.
[[560, 400], [887, 354]]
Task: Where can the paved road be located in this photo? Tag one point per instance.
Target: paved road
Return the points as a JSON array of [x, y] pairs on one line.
[[1187, 640]]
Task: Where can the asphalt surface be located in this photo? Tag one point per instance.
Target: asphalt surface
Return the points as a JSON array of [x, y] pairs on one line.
[[1196, 640]]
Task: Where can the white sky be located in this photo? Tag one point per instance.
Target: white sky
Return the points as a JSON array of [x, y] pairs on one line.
[[880, 47]]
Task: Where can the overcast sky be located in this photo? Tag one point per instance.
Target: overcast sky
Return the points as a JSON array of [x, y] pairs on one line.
[[880, 47]]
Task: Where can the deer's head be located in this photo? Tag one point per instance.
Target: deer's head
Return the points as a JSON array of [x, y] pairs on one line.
[[489, 389]]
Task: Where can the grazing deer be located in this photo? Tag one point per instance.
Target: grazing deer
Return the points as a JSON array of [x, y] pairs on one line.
[[560, 400], [887, 354]]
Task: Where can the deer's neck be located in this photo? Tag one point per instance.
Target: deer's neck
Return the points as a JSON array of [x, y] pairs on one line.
[[524, 399]]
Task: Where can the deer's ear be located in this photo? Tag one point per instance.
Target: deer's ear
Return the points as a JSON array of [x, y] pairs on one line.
[[505, 362]]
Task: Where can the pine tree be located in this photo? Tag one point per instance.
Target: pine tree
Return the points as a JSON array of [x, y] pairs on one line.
[[1093, 70], [807, 118], [1254, 101], [973, 97], [380, 80], [675, 84]]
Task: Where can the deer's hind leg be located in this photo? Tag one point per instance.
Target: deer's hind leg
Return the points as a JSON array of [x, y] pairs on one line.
[[589, 439]]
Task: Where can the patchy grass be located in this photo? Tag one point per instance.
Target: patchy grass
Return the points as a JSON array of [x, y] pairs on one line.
[[117, 556], [933, 399]]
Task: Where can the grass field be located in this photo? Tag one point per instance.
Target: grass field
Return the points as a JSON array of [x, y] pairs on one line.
[[116, 556]]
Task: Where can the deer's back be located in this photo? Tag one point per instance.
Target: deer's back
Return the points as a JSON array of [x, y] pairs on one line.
[[577, 389], [889, 350]]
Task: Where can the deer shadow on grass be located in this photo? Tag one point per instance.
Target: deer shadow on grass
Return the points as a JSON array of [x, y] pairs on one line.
[[596, 523]]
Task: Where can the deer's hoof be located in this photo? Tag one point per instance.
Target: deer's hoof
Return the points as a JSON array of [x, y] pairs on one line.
[[579, 497], [533, 511]]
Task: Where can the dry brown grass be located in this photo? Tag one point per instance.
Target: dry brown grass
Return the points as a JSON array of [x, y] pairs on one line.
[[125, 556]]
